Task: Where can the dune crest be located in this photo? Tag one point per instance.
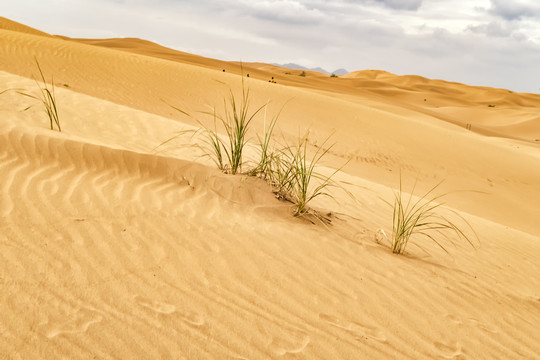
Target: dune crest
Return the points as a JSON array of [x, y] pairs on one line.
[[11, 25]]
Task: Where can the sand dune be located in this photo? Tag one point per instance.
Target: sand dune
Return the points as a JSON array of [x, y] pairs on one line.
[[8, 24], [113, 248]]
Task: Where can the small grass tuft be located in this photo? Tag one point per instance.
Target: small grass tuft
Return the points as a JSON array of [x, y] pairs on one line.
[[236, 122], [267, 156], [303, 173], [48, 99], [421, 218], [227, 152], [280, 175], [294, 177]]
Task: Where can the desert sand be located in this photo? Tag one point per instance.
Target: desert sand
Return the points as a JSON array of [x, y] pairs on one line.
[[113, 247]]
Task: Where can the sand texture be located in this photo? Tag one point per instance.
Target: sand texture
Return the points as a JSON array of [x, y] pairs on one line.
[[113, 247]]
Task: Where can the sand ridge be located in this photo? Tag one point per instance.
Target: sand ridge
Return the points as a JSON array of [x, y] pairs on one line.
[[112, 248]]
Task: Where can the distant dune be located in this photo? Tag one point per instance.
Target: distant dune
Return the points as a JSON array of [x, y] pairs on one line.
[[118, 244], [339, 71]]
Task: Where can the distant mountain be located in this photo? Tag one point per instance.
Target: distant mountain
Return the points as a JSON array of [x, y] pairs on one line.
[[340, 72], [300, 67]]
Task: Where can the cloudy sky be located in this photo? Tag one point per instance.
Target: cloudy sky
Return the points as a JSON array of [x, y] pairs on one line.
[[478, 42]]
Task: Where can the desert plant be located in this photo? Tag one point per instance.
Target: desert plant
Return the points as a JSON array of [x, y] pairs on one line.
[[292, 174], [297, 175], [216, 145], [333, 76], [268, 157], [263, 166], [236, 122], [303, 74], [280, 174], [48, 99], [421, 218], [288, 169], [227, 153]]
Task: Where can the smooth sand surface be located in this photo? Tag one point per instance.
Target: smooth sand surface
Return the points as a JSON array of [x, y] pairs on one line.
[[115, 248]]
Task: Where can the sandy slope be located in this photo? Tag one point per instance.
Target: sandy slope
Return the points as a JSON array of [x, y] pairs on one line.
[[114, 249]]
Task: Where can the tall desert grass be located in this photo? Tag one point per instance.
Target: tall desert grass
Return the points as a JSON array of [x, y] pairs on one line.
[[289, 169], [48, 99], [236, 121], [226, 151], [294, 174], [266, 153], [422, 218], [303, 175]]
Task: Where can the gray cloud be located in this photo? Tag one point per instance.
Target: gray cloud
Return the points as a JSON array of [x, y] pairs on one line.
[[515, 10], [393, 4], [402, 4], [284, 11], [494, 28]]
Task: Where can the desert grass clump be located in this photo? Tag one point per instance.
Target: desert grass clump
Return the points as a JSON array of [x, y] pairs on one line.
[[280, 174], [421, 218], [288, 169], [294, 176], [267, 156], [303, 174], [48, 100], [236, 122], [227, 151]]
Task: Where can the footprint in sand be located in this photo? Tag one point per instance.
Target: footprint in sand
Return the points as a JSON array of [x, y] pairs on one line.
[[360, 331], [472, 322], [191, 318], [456, 320], [453, 351], [77, 322], [157, 306], [482, 326], [289, 342]]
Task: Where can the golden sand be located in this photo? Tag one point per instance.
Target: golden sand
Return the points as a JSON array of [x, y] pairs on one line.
[[111, 248]]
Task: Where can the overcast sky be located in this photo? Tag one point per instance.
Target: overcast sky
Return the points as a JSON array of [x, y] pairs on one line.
[[478, 42]]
